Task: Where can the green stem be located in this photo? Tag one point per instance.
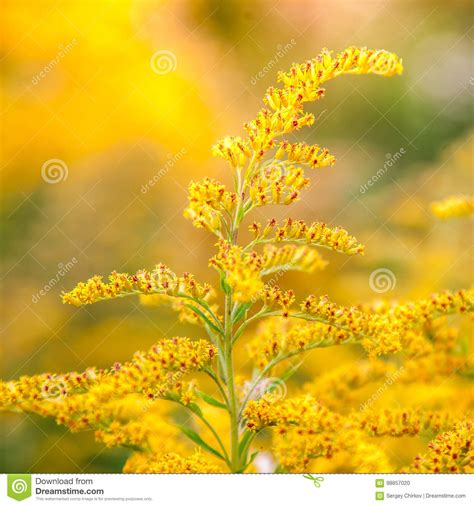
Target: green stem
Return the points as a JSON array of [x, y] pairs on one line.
[[263, 312], [232, 399]]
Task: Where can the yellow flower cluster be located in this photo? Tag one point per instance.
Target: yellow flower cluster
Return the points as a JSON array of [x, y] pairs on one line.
[[46, 386], [306, 411], [155, 374], [304, 430], [138, 424], [314, 156], [241, 270], [449, 452], [307, 77], [268, 125], [171, 463], [381, 329], [379, 334], [348, 450], [400, 422], [453, 207], [339, 388], [277, 184], [233, 149], [291, 257], [160, 280], [442, 358], [272, 296], [302, 84], [302, 411], [210, 204], [315, 234], [277, 338]]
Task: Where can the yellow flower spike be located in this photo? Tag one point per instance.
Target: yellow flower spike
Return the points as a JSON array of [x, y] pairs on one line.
[[381, 328], [296, 448], [161, 280], [302, 411], [272, 296], [277, 185], [277, 339], [154, 373], [170, 463], [315, 234], [233, 149], [302, 84], [290, 257], [313, 156], [313, 73], [210, 205], [449, 452], [453, 207], [242, 270]]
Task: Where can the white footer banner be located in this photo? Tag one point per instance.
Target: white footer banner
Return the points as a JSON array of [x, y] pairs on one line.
[[241, 490]]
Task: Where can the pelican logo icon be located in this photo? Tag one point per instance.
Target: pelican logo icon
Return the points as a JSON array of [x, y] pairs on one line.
[[19, 486]]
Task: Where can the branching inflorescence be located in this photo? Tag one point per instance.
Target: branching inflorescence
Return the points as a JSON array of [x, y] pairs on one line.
[[125, 404]]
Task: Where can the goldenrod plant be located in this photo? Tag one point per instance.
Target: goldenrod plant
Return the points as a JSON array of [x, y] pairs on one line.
[[234, 416]]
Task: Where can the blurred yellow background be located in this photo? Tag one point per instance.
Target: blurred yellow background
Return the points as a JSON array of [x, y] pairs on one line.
[[110, 107]]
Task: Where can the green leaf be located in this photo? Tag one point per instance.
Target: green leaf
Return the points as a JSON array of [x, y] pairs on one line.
[[211, 400], [245, 440], [240, 214], [240, 313], [252, 458], [196, 438], [203, 316], [195, 409], [224, 286]]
